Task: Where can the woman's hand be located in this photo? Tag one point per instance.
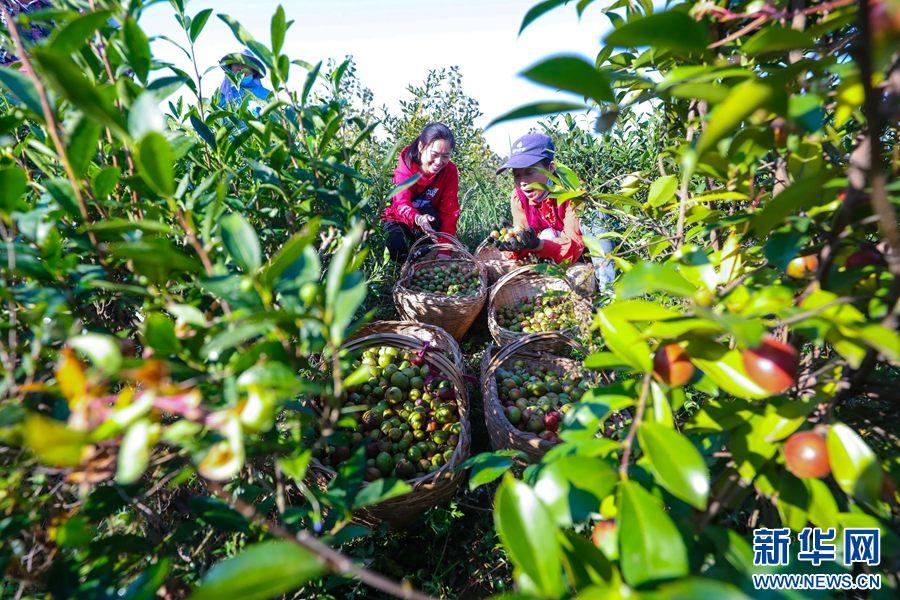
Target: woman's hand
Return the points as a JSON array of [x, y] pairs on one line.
[[423, 222]]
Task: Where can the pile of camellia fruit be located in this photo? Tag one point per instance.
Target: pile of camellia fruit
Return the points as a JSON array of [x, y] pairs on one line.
[[411, 417], [552, 312], [447, 280], [535, 399]]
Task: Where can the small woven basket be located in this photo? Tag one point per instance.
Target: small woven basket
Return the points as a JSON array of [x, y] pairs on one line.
[[501, 432], [454, 314], [495, 264], [526, 283], [428, 490], [432, 334]]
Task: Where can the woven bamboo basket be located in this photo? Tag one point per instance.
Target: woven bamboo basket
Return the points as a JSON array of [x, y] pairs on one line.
[[454, 314], [582, 278], [494, 262], [501, 432], [427, 490], [526, 283], [433, 335]]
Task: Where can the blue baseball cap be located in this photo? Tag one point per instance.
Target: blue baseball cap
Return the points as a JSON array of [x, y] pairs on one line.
[[529, 150]]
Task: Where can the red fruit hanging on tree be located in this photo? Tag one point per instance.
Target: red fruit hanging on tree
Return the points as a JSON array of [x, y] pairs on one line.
[[806, 455], [772, 366], [672, 366]]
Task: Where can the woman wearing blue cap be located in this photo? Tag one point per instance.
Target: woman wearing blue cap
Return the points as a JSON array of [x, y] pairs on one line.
[[551, 229], [250, 71]]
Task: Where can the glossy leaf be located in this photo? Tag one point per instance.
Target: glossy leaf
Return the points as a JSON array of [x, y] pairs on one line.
[[652, 550], [776, 39], [625, 340], [137, 48], [159, 334], [260, 572], [538, 109], [487, 467], [743, 101], [657, 30], [134, 454], [807, 192], [725, 367], [584, 563], [82, 146], [571, 74], [156, 160], [676, 463], [73, 35], [853, 464], [241, 242], [662, 190], [198, 23], [379, 491], [574, 486], [13, 183], [537, 10], [648, 277], [529, 536], [696, 588], [22, 89]]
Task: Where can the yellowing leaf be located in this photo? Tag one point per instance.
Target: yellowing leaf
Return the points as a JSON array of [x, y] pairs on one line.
[[53, 442]]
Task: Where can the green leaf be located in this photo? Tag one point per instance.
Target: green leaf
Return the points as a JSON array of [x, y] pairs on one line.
[[662, 190], [853, 464], [379, 491], [486, 467], [310, 82], [776, 39], [725, 367], [137, 48], [344, 292], [529, 536], [742, 102], [584, 563], [199, 22], [806, 192], [626, 342], [104, 182], [261, 572], [537, 10], [286, 259], [793, 502], [536, 110], [650, 546], [134, 453], [13, 183], [646, 277], [149, 582], [159, 334], [659, 30], [587, 415], [278, 29], [144, 116], [72, 36], [205, 133], [571, 74], [241, 241], [22, 88], [156, 162], [103, 350], [676, 463], [696, 588], [82, 146], [823, 508], [574, 486]]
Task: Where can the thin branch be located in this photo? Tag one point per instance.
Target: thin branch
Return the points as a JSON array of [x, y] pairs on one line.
[[638, 417]]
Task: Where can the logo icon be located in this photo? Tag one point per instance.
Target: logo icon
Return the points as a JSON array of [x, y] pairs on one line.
[[862, 544]]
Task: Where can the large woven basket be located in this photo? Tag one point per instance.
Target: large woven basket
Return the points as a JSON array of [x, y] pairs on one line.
[[501, 432], [527, 283], [428, 490], [454, 314], [433, 335], [495, 264]]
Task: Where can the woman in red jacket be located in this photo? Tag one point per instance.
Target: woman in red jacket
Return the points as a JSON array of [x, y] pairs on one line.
[[431, 205]]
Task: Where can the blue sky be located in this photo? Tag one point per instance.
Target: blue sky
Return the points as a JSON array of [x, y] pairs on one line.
[[396, 42]]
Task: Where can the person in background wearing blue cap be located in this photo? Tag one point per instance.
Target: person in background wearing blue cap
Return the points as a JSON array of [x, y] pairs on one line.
[[250, 71], [552, 230]]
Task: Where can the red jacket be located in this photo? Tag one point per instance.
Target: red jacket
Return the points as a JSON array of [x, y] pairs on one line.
[[440, 191], [549, 214]]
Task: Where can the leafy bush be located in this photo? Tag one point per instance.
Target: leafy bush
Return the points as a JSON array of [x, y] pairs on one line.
[[176, 290]]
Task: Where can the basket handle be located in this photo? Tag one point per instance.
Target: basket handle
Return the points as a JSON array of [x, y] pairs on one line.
[[454, 244], [512, 274], [513, 347]]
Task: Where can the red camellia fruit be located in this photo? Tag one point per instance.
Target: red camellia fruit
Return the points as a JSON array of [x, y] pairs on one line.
[[802, 266], [862, 258], [806, 455], [772, 366], [672, 366], [602, 531]]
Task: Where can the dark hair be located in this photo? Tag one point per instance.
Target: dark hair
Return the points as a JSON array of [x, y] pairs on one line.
[[432, 132]]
